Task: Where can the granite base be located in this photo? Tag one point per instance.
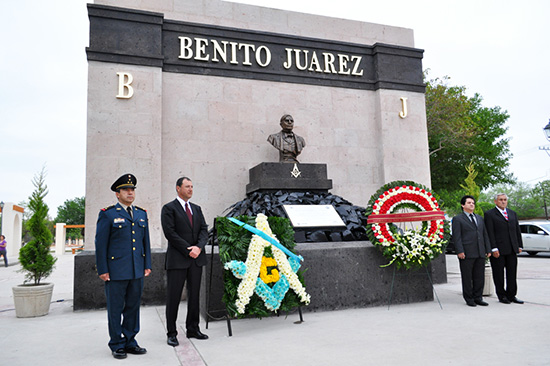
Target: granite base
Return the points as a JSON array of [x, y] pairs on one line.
[[340, 276], [89, 290]]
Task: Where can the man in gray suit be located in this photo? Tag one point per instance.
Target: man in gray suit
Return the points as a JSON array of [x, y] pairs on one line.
[[472, 246]]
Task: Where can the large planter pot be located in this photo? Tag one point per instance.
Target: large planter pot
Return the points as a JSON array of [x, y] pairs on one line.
[[32, 300], [489, 287]]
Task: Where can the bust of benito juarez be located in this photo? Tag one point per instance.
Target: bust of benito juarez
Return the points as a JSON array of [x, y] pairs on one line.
[[287, 142]]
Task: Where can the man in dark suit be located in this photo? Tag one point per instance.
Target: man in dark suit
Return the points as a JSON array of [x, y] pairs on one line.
[[185, 228], [472, 246], [123, 259], [505, 236]]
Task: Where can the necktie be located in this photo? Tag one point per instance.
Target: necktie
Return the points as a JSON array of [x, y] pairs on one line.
[[129, 209], [473, 220], [505, 215], [189, 216]]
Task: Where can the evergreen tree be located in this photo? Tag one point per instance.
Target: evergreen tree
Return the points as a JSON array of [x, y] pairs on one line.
[[471, 188], [35, 257]]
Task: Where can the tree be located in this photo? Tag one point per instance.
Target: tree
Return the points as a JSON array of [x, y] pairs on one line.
[[522, 198], [72, 213], [542, 190], [35, 257], [460, 131], [471, 188]]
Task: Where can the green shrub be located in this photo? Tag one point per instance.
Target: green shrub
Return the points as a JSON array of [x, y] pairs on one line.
[[35, 258]]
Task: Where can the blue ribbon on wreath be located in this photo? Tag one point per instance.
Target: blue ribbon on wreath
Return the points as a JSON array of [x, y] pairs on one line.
[[264, 236]]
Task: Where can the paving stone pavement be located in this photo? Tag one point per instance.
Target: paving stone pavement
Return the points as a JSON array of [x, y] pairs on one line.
[[408, 334]]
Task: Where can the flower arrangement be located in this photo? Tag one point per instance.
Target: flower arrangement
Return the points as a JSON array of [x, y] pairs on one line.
[[259, 275], [407, 248]]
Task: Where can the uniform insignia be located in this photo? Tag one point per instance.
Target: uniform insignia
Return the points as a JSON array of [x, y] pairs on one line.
[[141, 208], [119, 220], [107, 208]]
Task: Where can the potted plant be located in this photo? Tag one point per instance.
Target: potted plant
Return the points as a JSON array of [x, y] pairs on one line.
[[488, 287], [33, 297]]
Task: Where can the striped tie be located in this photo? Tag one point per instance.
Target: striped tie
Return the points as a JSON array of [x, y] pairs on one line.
[[505, 215]]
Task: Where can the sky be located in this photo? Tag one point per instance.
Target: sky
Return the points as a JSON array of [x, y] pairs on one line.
[[499, 49]]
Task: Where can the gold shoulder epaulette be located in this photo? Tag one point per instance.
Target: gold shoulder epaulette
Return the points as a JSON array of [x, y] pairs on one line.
[[107, 208]]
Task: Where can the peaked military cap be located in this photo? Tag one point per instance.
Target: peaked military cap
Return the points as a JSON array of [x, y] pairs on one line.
[[126, 181]]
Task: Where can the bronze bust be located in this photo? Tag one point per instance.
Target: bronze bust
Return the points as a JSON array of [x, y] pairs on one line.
[[287, 142]]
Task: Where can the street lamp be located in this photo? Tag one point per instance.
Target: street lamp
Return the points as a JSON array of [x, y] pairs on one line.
[[546, 130]]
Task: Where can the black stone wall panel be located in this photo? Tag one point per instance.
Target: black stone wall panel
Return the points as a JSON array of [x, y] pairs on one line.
[[127, 36]]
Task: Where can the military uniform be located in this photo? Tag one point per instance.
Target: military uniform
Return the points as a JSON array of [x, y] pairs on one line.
[[123, 250]]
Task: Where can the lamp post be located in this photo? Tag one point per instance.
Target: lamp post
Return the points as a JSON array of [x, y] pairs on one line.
[[546, 130]]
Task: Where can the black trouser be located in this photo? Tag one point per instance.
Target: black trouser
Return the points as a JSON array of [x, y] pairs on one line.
[[472, 272], [176, 278], [508, 262]]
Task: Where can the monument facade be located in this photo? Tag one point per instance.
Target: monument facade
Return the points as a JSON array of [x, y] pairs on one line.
[[190, 87]]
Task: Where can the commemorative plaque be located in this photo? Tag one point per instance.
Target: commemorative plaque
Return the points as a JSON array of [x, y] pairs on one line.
[[303, 216]]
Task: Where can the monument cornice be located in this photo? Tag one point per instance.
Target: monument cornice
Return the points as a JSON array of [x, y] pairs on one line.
[[135, 37]]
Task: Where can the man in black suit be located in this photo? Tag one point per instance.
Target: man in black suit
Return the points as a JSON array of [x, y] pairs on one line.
[[505, 236], [185, 228], [472, 246], [123, 259]]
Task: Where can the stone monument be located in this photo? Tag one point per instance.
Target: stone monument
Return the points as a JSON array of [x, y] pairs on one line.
[[190, 87]]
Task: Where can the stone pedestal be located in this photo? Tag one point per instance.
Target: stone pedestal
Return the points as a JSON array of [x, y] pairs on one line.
[[488, 287], [339, 276], [89, 290], [289, 177], [60, 237]]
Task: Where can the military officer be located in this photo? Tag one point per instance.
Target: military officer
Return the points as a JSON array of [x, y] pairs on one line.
[[123, 259]]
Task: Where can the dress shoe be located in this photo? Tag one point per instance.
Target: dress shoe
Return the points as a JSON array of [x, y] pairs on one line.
[[197, 335], [505, 301], [173, 341], [481, 303], [137, 350], [119, 353], [471, 303], [516, 300]]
